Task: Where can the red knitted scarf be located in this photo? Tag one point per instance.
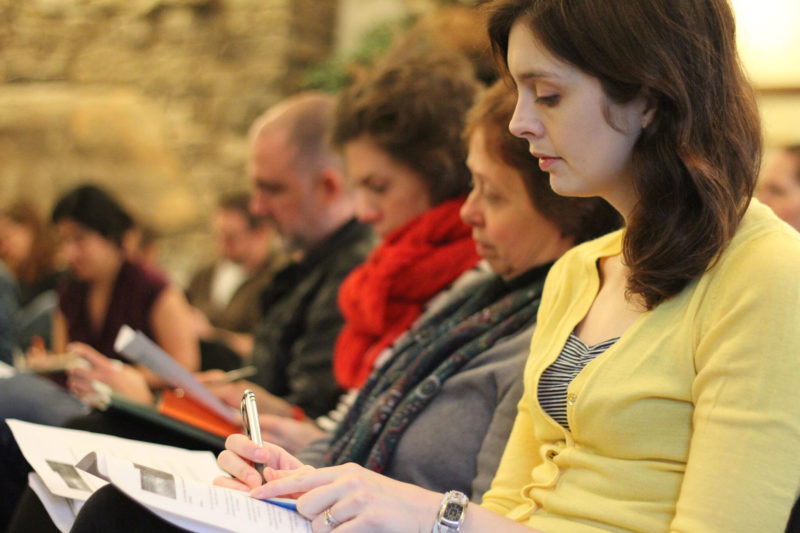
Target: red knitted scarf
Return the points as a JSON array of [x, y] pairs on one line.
[[381, 298]]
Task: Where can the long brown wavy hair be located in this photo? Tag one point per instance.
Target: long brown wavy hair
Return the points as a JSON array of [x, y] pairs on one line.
[[695, 166]]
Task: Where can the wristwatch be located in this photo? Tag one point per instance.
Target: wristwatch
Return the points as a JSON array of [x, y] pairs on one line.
[[451, 513]]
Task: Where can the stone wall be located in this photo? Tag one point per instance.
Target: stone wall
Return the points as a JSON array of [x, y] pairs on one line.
[[151, 98]]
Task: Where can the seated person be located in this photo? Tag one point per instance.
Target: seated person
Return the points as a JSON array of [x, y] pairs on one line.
[[102, 292], [9, 303], [28, 249], [779, 185], [225, 293]]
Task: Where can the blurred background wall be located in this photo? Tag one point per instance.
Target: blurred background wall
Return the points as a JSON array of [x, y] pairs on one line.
[[153, 98]]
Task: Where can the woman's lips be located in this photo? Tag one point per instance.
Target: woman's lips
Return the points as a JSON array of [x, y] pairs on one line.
[[483, 249], [546, 162]]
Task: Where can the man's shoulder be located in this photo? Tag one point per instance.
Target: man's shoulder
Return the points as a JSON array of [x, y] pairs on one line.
[[347, 248]]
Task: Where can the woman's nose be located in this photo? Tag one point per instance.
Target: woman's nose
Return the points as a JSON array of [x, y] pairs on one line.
[[525, 121], [470, 211], [366, 212]]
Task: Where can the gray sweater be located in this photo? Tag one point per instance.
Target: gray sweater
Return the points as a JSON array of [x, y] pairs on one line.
[[456, 442]]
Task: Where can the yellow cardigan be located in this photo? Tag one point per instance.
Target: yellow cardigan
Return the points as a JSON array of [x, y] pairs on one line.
[[690, 422]]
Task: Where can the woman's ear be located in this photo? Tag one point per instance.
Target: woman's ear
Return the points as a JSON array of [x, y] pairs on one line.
[[649, 111]]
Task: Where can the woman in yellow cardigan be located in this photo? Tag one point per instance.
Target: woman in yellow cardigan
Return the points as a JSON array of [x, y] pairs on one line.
[[662, 392]]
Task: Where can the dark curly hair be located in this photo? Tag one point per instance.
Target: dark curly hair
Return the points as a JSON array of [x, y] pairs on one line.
[[580, 218], [695, 165], [414, 107]]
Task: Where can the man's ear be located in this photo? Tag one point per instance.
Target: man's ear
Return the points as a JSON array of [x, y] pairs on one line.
[[329, 184]]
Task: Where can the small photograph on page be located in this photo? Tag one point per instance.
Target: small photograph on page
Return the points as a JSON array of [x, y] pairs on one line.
[[70, 475], [157, 482]]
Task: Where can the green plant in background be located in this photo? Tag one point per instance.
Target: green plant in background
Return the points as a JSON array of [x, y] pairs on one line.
[[336, 72]]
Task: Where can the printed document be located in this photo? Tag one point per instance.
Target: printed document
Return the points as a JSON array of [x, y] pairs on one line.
[[193, 505], [53, 453]]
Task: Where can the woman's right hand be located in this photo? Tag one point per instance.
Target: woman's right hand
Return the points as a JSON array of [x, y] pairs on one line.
[[239, 455], [121, 378]]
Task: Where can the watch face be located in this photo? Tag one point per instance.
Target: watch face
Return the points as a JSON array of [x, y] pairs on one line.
[[452, 512]]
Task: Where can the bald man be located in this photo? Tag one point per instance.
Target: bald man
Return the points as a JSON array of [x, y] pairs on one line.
[[298, 181]]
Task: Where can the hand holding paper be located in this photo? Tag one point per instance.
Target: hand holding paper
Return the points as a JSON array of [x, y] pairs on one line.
[[122, 379], [142, 350]]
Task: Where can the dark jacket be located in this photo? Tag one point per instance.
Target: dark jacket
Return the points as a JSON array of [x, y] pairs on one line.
[[300, 321]]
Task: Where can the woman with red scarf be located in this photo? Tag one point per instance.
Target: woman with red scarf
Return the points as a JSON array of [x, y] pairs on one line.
[[402, 147]]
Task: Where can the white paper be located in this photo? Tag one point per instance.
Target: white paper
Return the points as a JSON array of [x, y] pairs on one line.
[[52, 453], [194, 505], [142, 350], [6, 370], [62, 511]]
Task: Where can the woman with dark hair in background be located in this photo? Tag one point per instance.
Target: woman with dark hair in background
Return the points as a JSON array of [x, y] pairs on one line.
[[655, 399], [106, 290], [103, 291]]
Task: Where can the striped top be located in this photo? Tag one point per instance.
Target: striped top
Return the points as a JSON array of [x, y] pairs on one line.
[[553, 383]]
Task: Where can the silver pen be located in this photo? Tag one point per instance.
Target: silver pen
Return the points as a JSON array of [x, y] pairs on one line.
[[252, 427]]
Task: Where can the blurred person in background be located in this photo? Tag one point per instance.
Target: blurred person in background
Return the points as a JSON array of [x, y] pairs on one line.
[[9, 303], [140, 244], [779, 185], [27, 247], [102, 291], [225, 293]]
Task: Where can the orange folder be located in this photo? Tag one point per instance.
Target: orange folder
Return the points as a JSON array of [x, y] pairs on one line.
[[186, 410]]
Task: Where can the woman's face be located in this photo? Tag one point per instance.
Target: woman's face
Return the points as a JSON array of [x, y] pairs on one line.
[[16, 242], [88, 254], [779, 187], [388, 193], [508, 231], [562, 113]]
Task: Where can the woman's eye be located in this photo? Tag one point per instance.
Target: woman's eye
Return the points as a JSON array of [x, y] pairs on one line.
[[492, 197], [549, 100]]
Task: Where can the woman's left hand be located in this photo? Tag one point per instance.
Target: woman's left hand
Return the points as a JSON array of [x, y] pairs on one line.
[[356, 500]]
